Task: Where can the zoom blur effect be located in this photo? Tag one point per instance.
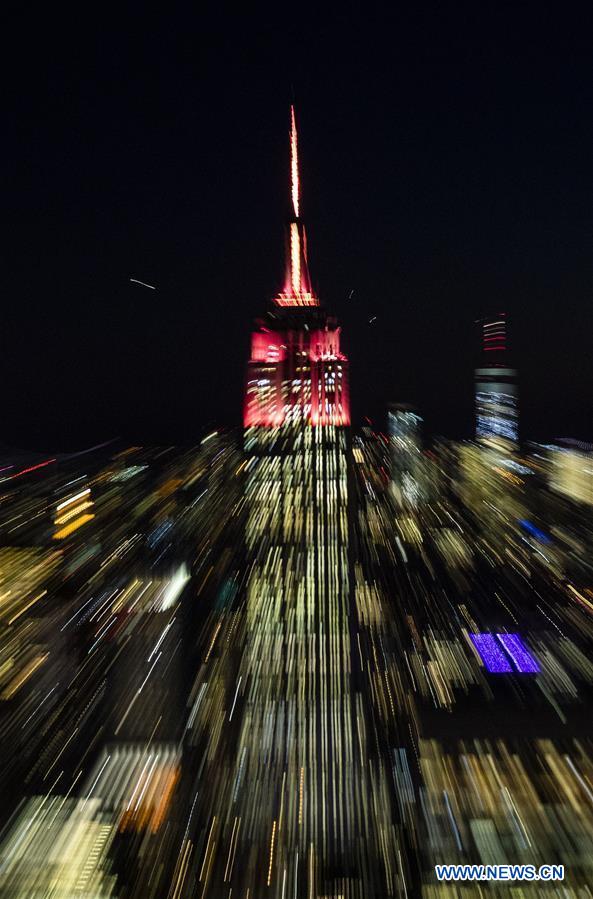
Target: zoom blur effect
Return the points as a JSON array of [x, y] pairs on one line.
[[207, 689]]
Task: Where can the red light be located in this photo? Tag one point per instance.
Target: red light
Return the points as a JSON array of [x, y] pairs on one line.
[[33, 468]]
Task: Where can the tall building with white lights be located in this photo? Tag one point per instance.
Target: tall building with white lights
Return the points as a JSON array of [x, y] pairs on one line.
[[497, 405], [404, 429]]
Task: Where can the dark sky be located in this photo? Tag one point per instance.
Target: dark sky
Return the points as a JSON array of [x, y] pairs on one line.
[[447, 169]]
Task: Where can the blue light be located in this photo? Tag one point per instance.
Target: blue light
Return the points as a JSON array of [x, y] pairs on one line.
[[535, 532]]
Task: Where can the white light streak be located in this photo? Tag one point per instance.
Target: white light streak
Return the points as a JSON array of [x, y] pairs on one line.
[[142, 283]]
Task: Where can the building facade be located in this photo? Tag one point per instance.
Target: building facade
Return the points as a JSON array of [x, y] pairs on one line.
[[497, 401], [404, 429]]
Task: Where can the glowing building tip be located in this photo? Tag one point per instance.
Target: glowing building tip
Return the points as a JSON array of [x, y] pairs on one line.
[[297, 284], [294, 163]]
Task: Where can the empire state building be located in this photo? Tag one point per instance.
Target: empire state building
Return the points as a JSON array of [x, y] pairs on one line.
[[296, 419], [300, 793]]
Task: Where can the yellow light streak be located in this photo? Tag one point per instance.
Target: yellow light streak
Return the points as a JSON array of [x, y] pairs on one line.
[[28, 606], [73, 499], [271, 853], [70, 528], [72, 513], [30, 669]]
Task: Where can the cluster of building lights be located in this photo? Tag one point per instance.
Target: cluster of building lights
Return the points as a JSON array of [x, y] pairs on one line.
[[73, 513]]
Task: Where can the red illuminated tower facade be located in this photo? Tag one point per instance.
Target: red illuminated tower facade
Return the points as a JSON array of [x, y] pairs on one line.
[[297, 374]]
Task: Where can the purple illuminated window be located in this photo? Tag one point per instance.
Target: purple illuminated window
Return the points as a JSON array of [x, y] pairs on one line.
[[524, 661], [491, 654]]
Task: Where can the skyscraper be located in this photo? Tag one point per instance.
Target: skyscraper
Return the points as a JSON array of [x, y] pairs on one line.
[[496, 386], [297, 657], [292, 760], [403, 426]]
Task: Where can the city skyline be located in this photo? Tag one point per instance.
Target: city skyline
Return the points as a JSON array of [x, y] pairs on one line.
[[434, 192], [296, 547]]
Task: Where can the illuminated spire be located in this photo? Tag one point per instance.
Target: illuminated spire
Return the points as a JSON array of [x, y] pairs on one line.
[[297, 284], [294, 163]]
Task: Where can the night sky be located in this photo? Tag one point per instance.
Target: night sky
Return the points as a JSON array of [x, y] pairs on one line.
[[447, 170]]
